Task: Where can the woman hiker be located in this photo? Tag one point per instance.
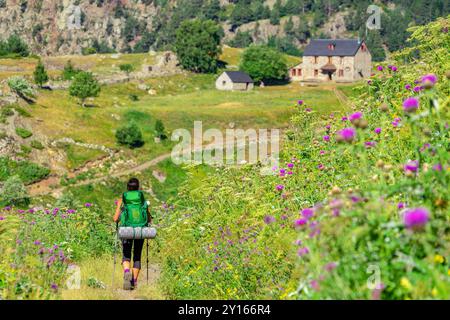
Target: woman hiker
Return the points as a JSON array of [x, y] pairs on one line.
[[133, 197]]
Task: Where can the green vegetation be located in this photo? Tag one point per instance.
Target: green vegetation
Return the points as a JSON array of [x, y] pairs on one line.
[[84, 86], [40, 75], [197, 45], [22, 88], [69, 71], [14, 47], [127, 68], [350, 199], [27, 171], [37, 145], [23, 133], [130, 135], [14, 192], [264, 64]]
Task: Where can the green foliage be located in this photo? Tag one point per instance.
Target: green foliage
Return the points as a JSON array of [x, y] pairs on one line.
[[197, 45], [21, 87], [23, 133], [241, 40], [160, 130], [130, 135], [264, 64], [27, 171], [37, 145], [14, 46], [14, 192], [127, 68], [40, 74], [69, 71], [249, 239], [84, 86]]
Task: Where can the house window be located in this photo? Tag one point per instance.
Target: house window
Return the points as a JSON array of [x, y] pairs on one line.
[[315, 59], [316, 73], [341, 73], [224, 83], [299, 72], [293, 72]]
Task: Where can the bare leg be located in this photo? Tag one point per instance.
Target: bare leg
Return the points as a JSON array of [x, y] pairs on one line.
[[136, 273], [126, 265]]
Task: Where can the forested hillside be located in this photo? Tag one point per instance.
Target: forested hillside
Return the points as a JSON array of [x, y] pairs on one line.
[[138, 26]]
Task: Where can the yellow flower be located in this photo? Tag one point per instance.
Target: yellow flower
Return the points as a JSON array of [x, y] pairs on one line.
[[434, 292], [448, 272], [439, 259], [404, 282]]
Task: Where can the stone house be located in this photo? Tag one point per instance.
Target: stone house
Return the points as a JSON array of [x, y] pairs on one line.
[[339, 60], [234, 80]]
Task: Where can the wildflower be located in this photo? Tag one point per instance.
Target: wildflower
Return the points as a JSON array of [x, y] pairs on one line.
[[330, 266], [41, 251], [315, 285], [54, 286], [410, 104], [300, 222], [269, 219], [346, 135], [336, 204], [344, 118], [369, 144], [326, 138], [416, 218], [308, 110], [2, 218], [429, 80], [437, 167], [411, 166], [377, 130], [320, 167], [290, 165], [70, 211], [19, 242], [280, 187], [404, 282], [439, 259], [300, 102], [408, 87], [355, 116], [322, 152], [303, 251], [376, 293], [51, 260], [88, 205], [37, 242], [298, 242], [380, 68], [8, 208], [417, 89], [31, 211], [308, 213], [401, 205]]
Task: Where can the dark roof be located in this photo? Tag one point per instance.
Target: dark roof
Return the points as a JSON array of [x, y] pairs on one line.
[[239, 77], [343, 47]]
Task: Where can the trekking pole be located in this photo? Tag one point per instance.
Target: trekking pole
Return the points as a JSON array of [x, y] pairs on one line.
[[147, 261], [115, 253]]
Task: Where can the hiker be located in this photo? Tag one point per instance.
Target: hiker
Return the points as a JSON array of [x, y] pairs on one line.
[[133, 201]]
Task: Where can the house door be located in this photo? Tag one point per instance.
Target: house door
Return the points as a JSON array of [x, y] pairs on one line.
[[330, 75]]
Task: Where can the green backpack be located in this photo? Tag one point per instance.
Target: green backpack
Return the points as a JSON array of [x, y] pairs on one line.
[[134, 212]]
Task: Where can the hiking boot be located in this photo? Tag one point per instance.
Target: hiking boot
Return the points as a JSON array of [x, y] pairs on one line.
[[133, 284], [127, 278]]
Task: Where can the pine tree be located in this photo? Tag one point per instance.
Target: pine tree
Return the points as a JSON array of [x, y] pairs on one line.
[[40, 74]]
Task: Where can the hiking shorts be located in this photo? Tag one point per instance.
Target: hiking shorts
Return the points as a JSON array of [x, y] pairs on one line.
[[135, 246]]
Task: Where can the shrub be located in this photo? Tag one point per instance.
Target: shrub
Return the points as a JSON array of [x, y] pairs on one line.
[[130, 135], [21, 87], [160, 130], [14, 192], [37, 145], [84, 86], [23, 133], [69, 71], [40, 74]]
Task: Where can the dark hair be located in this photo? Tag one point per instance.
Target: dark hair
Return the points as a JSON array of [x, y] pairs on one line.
[[133, 184]]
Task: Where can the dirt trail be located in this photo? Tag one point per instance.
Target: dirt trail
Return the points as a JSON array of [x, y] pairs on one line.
[[343, 99], [46, 186]]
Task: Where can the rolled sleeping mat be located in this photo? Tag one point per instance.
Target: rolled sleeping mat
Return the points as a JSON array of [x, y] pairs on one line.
[[130, 233]]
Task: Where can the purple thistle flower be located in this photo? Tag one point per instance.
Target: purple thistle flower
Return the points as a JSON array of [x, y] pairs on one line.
[[303, 251], [346, 134], [330, 266], [326, 138], [37, 242], [88, 205], [370, 144], [300, 222], [437, 167], [355, 116], [416, 218], [380, 68], [408, 87], [411, 166], [19, 242], [290, 165], [54, 286], [269, 219], [401, 205], [417, 88], [344, 118], [308, 110], [411, 104], [8, 208], [280, 187], [308, 213], [320, 167], [377, 130], [430, 78], [300, 102]]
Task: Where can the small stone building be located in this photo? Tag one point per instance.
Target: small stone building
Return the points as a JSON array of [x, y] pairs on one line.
[[339, 60], [234, 80]]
